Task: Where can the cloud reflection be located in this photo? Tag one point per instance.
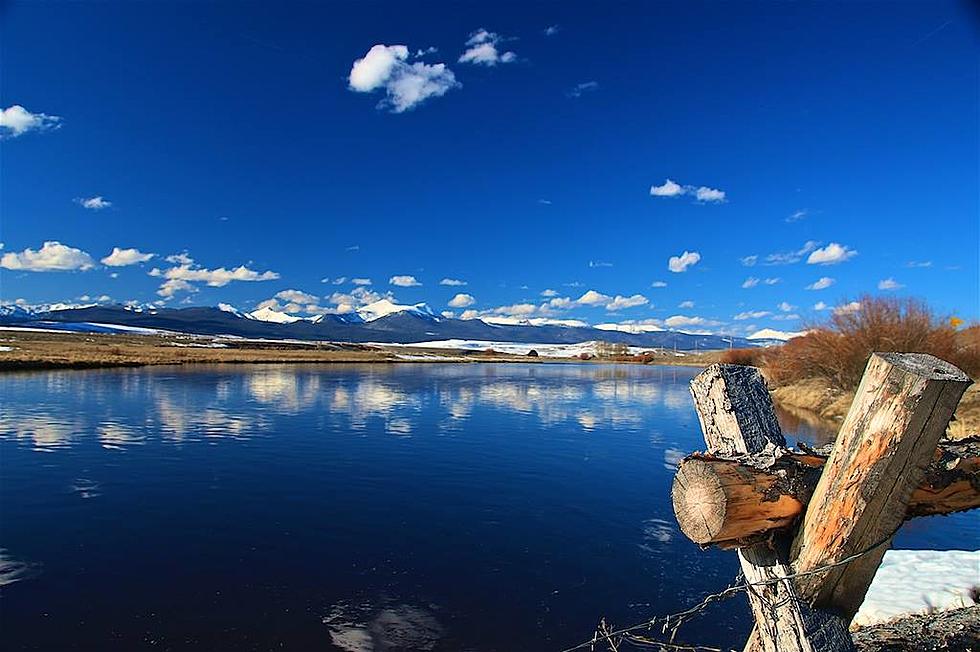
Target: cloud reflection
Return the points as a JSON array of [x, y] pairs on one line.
[[366, 628], [122, 409]]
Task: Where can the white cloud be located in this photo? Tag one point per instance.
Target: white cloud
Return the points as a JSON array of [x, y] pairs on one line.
[[703, 194], [668, 189], [297, 296], [772, 280], [686, 304], [658, 284], [171, 287], [711, 195], [752, 314], [482, 49], [52, 257], [593, 298], [796, 216], [681, 321], [558, 303], [549, 293], [16, 121], [749, 261], [791, 257], [853, 306], [361, 281], [581, 89], [296, 301], [599, 263], [96, 203], [919, 263], [831, 255], [785, 306], [404, 281], [180, 259], [821, 283], [551, 30], [820, 305], [186, 271], [621, 302], [889, 284], [750, 282], [123, 257], [681, 263], [406, 85], [452, 282], [516, 310], [461, 301]]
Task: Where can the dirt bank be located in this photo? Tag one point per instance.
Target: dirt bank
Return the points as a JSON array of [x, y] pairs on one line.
[[818, 397]]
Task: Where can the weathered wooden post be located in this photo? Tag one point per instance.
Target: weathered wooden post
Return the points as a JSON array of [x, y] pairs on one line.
[[737, 417], [884, 467], [901, 410]]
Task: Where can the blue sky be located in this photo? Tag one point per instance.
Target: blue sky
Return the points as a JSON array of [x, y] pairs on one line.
[[257, 149]]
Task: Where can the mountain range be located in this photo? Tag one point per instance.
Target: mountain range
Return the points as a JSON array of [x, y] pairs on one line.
[[381, 322]]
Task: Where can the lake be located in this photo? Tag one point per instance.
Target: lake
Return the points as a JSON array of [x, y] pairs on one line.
[[355, 507]]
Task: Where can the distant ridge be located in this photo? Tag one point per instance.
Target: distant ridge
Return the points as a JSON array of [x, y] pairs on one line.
[[385, 323]]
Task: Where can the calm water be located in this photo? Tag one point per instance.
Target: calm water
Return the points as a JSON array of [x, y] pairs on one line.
[[418, 507]]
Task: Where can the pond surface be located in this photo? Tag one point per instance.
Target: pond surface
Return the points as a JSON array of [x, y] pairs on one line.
[[355, 507]]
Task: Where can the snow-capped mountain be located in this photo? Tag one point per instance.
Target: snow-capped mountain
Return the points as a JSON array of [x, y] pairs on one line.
[[384, 307], [773, 334], [270, 315], [382, 322]]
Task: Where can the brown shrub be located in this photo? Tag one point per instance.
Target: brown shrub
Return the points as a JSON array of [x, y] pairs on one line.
[[839, 350], [750, 357]]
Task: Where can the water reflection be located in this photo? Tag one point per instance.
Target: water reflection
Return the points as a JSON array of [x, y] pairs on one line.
[[13, 570], [121, 410], [365, 627]]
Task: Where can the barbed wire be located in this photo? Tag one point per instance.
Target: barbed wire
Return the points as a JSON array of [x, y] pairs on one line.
[[613, 637]]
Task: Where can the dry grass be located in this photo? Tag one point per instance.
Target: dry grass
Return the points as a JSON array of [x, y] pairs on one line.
[[821, 370], [40, 350], [838, 351], [750, 357]]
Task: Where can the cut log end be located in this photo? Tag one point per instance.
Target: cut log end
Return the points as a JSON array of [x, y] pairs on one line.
[[719, 502], [699, 501]]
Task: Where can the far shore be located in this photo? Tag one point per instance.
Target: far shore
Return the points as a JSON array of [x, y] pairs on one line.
[[22, 350]]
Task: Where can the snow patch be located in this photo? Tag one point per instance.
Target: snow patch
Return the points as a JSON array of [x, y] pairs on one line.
[[920, 581]]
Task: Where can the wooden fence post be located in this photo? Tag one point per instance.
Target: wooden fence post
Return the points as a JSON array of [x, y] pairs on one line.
[[889, 436], [737, 417]]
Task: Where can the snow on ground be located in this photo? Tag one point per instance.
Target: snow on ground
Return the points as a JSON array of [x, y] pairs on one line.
[[84, 327], [514, 348], [6, 348], [920, 581]]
